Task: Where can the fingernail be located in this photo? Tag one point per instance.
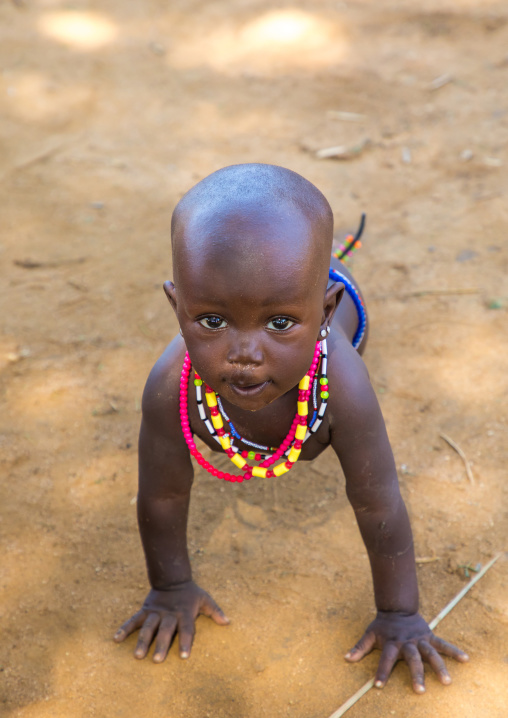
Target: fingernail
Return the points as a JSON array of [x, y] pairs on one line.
[[420, 689], [348, 655], [117, 634], [378, 684], [184, 654], [447, 680]]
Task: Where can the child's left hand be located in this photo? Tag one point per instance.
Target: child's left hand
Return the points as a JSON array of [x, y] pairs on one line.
[[405, 637]]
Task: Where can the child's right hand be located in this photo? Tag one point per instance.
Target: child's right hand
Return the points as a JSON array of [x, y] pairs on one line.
[[166, 612]]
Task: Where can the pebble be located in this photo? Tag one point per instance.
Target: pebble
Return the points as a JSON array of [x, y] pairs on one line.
[[465, 255], [406, 155], [466, 155]]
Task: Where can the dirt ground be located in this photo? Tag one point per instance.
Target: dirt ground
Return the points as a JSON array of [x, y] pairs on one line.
[[108, 113]]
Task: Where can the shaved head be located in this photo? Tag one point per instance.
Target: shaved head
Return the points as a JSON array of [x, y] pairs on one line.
[[251, 256], [243, 212]]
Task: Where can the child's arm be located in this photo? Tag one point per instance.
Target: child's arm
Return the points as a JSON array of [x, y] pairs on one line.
[[359, 438], [165, 480]]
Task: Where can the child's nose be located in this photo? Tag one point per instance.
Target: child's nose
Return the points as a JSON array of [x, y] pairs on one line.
[[245, 350]]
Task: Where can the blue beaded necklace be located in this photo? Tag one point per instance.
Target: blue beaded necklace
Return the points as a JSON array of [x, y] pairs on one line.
[[344, 252]]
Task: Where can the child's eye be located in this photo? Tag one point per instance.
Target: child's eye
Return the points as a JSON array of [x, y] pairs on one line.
[[280, 324], [213, 322]]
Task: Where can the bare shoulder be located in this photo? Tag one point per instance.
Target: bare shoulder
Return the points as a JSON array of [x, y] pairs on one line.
[[357, 429], [160, 405], [165, 468], [350, 385], [353, 407]]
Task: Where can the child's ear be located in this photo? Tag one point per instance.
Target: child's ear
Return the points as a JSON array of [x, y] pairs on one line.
[[333, 295], [170, 292]]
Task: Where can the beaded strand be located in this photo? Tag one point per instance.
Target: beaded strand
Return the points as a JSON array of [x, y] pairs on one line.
[[236, 434], [351, 243], [337, 276]]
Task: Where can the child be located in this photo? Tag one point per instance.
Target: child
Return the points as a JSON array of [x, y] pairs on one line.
[[270, 363]]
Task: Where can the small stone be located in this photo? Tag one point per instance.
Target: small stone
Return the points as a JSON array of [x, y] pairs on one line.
[[406, 155], [157, 48], [466, 155], [465, 255]]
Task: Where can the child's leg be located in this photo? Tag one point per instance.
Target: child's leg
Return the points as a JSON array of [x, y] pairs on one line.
[[346, 316]]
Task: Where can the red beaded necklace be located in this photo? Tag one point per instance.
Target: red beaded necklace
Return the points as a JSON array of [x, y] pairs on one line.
[[294, 439]]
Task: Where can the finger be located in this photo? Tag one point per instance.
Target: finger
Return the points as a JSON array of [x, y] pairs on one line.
[[146, 635], [362, 648], [212, 610], [185, 636], [165, 635], [434, 659], [387, 661], [415, 663], [448, 649], [130, 626]]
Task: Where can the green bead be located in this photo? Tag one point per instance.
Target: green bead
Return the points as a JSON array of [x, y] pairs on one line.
[[198, 382], [324, 395], [323, 380], [252, 455]]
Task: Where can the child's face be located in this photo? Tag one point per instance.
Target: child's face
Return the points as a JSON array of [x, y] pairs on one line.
[[251, 309]]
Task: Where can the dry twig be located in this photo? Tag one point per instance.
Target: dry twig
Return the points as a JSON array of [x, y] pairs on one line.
[[440, 81], [36, 264], [346, 116], [441, 292], [462, 455], [343, 152]]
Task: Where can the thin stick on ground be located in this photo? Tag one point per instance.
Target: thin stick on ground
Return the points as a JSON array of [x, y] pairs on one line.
[[462, 455], [441, 292], [446, 610]]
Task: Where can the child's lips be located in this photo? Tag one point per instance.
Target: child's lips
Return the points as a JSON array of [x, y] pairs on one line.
[[248, 390]]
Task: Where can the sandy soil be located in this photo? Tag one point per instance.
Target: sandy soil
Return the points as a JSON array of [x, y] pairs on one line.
[[108, 113]]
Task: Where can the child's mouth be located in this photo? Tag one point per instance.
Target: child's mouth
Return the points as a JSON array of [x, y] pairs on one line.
[[249, 389]]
